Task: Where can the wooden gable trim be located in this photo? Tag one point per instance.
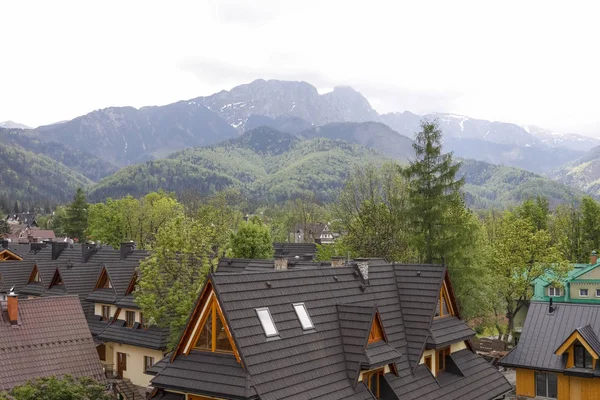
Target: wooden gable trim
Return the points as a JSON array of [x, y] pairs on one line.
[[34, 272], [445, 295], [376, 332], [449, 289], [7, 255], [132, 284], [204, 308], [192, 321], [103, 275], [575, 336], [56, 279]]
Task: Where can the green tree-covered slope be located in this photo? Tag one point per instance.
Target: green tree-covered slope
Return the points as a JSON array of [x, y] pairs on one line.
[[268, 165], [35, 178]]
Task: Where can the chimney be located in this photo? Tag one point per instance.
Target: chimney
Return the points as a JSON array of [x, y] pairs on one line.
[[12, 303], [362, 265], [593, 257], [281, 263], [126, 249], [4, 243], [57, 248], [550, 307], [35, 247], [87, 250], [307, 257], [337, 261]]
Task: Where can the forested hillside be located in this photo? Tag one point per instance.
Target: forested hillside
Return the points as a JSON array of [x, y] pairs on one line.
[[267, 165], [86, 164], [32, 178]]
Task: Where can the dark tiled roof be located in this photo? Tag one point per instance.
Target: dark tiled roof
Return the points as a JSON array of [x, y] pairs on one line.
[[52, 338], [588, 334], [221, 375], [162, 395], [120, 274], [447, 330], [381, 353], [128, 302], [14, 273], [355, 323], [316, 364], [292, 250], [152, 338], [33, 289], [103, 295], [544, 332], [418, 288], [96, 324]]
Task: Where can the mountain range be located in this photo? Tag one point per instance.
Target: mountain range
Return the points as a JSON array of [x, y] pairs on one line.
[[152, 139]]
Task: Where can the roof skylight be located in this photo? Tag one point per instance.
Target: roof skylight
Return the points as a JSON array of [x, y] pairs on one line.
[[266, 320], [303, 316]]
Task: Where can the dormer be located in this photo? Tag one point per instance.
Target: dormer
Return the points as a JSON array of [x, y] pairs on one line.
[[57, 285], [207, 330], [103, 281], [8, 255], [581, 349], [445, 306]]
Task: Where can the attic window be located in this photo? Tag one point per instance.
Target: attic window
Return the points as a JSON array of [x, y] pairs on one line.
[[303, 316], [266, 320], [553, 292], [444, 307]]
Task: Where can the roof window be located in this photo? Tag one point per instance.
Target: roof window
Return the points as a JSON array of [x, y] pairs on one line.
[[303, 316], [266, 320]]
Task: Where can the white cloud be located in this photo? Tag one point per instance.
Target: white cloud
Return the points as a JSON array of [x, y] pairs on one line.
[[527, 62]]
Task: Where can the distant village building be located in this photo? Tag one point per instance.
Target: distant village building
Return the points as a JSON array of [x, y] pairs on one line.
[[44, 337], [313, 233], [299, 330]]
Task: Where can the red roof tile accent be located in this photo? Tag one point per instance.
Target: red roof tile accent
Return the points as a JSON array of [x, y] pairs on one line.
[[52, 338]]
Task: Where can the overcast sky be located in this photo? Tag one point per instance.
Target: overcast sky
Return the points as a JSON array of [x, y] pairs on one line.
[[529, 62]]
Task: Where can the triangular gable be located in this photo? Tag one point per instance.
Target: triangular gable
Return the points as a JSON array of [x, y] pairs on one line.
[[132, 283], [35, 275], [579, 335], [207, 313], [377, 333], [591, 272], [56, 279], [7, 255], [446, 304], [103, 281]]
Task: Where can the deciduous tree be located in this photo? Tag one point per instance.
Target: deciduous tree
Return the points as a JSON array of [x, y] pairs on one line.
[[52, 388], [252, 240]]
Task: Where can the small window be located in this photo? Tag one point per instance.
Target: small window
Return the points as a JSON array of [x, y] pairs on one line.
[[130, 318], [553, 292], [428, 362], [303, 316], [583, 293], [597, 292], [583, 359], [372, 379], [441, 359], [106, 313], [148, 362], [264, 315]]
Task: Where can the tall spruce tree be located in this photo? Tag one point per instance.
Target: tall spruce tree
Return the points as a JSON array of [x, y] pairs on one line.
[[434, 192], [76, 221]]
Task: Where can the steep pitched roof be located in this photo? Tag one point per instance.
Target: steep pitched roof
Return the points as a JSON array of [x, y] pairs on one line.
[[445, 331], [418, 288], [151, 338], [52, 338], [544, 332], [318, 364], [14, 273]]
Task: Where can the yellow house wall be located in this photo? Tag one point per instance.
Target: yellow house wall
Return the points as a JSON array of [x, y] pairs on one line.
[[135, 361], [590, 286], [454, 347], [569, 387], [593, 274], [123, 313], [98, 308]]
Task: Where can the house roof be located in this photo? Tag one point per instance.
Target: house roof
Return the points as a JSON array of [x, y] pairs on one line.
[[151, 338], [299, 364], [14, 273], [445, 331], [291, 250], [544, 332], [52, 338]]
